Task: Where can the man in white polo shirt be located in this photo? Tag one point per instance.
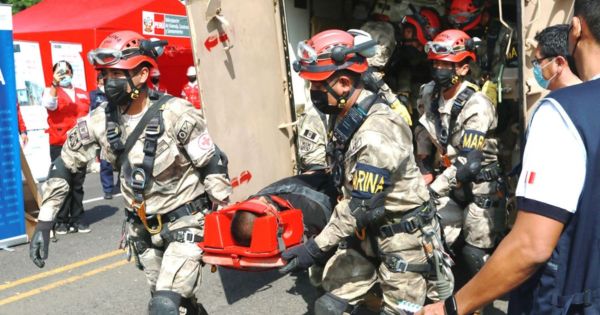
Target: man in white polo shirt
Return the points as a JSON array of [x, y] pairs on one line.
[[550, 260]]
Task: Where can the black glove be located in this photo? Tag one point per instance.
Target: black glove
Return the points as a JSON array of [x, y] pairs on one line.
[[466, 173], [301, 256], [368, 211], [38, 248]]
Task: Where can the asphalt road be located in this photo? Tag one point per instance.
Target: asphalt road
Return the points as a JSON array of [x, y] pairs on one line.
[[86, 274]]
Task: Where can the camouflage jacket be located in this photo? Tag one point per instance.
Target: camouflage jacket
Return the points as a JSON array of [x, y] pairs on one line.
[[184, 147]]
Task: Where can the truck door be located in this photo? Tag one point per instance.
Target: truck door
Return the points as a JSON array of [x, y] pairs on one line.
[[240, 60]]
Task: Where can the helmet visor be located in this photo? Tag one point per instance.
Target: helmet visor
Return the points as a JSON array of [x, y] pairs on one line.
[[441, 48], [109, 57], [306, 53]]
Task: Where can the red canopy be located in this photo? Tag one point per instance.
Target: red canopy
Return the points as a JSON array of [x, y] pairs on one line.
[[88, 22]]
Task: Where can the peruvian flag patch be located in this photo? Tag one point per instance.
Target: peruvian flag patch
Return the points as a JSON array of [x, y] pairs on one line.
[[530, 177]]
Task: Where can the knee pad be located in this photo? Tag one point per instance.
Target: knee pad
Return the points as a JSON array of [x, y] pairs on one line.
[[475, 257], [192, 307], [330, 304], [164, 303]]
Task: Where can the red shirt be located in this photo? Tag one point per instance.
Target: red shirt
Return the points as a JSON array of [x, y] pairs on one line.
[[191, 93], [65, 116]]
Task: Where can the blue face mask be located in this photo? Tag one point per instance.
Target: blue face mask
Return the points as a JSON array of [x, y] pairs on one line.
[[66, 81], [539, 76]]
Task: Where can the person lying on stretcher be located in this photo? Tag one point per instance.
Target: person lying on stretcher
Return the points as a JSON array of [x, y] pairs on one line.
[[252, 234]]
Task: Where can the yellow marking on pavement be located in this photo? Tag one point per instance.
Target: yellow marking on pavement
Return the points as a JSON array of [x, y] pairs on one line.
[[20, 296], [60, 269]]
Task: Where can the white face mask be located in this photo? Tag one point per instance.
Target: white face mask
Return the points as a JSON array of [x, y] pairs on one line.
[[101, 88]]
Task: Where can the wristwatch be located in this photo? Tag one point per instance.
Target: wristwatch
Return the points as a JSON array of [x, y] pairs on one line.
[[54, 83]]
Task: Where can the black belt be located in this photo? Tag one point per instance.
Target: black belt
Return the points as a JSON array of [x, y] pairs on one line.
[[396, 263], [410, 222], [189, 208]]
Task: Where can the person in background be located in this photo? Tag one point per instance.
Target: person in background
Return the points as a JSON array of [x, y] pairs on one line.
[[65, 105], [98, 97], [155, 79], [550, 65], [191, 91]]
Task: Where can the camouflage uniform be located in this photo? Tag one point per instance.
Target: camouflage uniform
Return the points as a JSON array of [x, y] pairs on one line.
[[183, 149], [383, 33], [378, 158], [473, 130], [312, 140]]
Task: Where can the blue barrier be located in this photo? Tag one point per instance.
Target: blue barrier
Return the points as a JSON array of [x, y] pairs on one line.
[[12, 218]]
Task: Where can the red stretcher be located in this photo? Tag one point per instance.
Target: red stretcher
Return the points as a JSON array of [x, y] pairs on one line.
[[273, 232]]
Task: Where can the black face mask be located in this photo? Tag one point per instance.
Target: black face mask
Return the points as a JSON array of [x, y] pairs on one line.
[[571, 58], [192, 79], [154, 80], [444, 78], [319, 100], [116, 92]]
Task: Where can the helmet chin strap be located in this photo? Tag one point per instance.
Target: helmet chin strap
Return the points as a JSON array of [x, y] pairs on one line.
[[341, 99], [134, 94]]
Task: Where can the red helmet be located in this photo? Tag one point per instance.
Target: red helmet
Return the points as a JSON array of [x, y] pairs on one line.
[[333, 50], [452, 46], [465, 14], [426, 23], [122, 50]]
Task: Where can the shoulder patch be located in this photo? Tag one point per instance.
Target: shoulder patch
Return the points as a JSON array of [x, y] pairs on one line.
[[73, 140], [310, 135], [305, 146], [472, 140], [84, 131], [185, 131], [369, 180]]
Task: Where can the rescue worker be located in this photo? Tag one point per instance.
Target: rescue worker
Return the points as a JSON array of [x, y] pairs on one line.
[[313, 125], [384, 224], [551, 255], [66, 104], [496, 51], [191, 91], [312, 140], [383, 33], [165, 177], [460, 121], [409, 68]]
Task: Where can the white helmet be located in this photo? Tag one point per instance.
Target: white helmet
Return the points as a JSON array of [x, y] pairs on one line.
[[191, 71]]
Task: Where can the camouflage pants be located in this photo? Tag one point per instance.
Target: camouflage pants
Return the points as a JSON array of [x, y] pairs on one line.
[[349, 274], [171, 266], [481, 227]]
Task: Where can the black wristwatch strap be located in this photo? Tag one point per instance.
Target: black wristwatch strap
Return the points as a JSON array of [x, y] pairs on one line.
[[450, 306]]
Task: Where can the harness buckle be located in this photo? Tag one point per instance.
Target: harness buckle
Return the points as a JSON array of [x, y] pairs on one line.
[[138, 184], [188, 237], [152, 129], [410, 225], [395, 263], [386, 230]]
